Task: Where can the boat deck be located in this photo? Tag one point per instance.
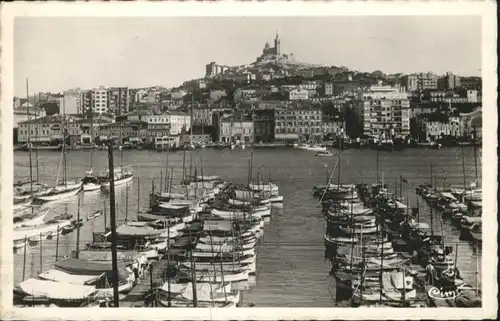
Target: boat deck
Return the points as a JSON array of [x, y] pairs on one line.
[[135, 298]]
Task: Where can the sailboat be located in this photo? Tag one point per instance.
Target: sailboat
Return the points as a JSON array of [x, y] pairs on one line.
[[90, 181], [122, 174], [64, 190], [24, 190]]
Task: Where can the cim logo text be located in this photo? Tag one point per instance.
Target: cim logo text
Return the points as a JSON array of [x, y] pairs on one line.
[[443, 294]]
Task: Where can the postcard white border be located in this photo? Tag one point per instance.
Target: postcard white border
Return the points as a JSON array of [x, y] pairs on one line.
[[485, 9]]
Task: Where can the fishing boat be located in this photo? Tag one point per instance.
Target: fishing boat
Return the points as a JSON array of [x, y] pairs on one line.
[[91, 182], [476, 232], [35, 219], [22, 233], [316, 148], [122, 175], [94, 215], [62, 294], [60, 192], [324, 154]]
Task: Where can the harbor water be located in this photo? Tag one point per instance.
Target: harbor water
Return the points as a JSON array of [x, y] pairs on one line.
[[291, 266]]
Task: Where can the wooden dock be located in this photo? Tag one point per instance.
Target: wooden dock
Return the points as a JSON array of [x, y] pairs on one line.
[[136, 297]]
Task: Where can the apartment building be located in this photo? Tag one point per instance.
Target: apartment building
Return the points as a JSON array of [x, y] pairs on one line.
[[383, 110], [118, 100], [298, 123], [72, 101], [100, 100], [420, 81], [233, 129]]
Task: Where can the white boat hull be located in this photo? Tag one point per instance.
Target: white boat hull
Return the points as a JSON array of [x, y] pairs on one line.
[[240, 215], [106, 185], [34, 221], [60, 196], [91, 187], [22, 233]]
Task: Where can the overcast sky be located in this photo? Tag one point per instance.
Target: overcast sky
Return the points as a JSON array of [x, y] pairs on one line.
[[62, 53]]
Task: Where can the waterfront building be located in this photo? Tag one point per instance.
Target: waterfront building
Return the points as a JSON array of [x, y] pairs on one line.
[[383, 110], [471, 122], [333, 125], [47, 129], [263, 123], [124, 129], [432, 127], [22, 114], [172, 121], [100, 100], [236, 128], [72, 101], [89, 128], [203, 114], [302, 122], [119, 103], [420, 81]]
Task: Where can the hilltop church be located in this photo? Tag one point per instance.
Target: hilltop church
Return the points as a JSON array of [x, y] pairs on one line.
[[273, 53]]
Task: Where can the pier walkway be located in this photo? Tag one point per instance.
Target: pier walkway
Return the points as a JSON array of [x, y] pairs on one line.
[[135, 298]]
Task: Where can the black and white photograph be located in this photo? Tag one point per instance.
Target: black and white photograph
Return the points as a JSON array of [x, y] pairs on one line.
[[234, 162]]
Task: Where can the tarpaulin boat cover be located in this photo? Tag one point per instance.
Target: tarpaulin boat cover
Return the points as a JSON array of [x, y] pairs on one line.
[[449, 196], [217, 226], [81, 267], [125, 256], [214, 248], [126, 230], [63, 277], [56, 290], [205, 292], [401, 205]]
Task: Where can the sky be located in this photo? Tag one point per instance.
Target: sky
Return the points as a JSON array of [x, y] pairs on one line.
[[57, 53]]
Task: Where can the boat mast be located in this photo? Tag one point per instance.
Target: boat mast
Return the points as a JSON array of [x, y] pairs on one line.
[[65, 183], [113, 225], [191, 121], [91, 139], [77, 252], [168, 267], [183, 167], [29, 136], [338, 174], [475, 149], [463, 168], [39, 124], [126, 204]]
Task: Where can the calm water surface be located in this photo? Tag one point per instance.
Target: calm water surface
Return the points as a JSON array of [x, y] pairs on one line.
[[291, 270]]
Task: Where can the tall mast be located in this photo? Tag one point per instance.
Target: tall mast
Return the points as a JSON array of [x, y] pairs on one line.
[[91, 139], [475, 149], [29, 136], [463, 167], [338, 174], [39, 124], [64, 145], [191, 120], [113, 225]]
